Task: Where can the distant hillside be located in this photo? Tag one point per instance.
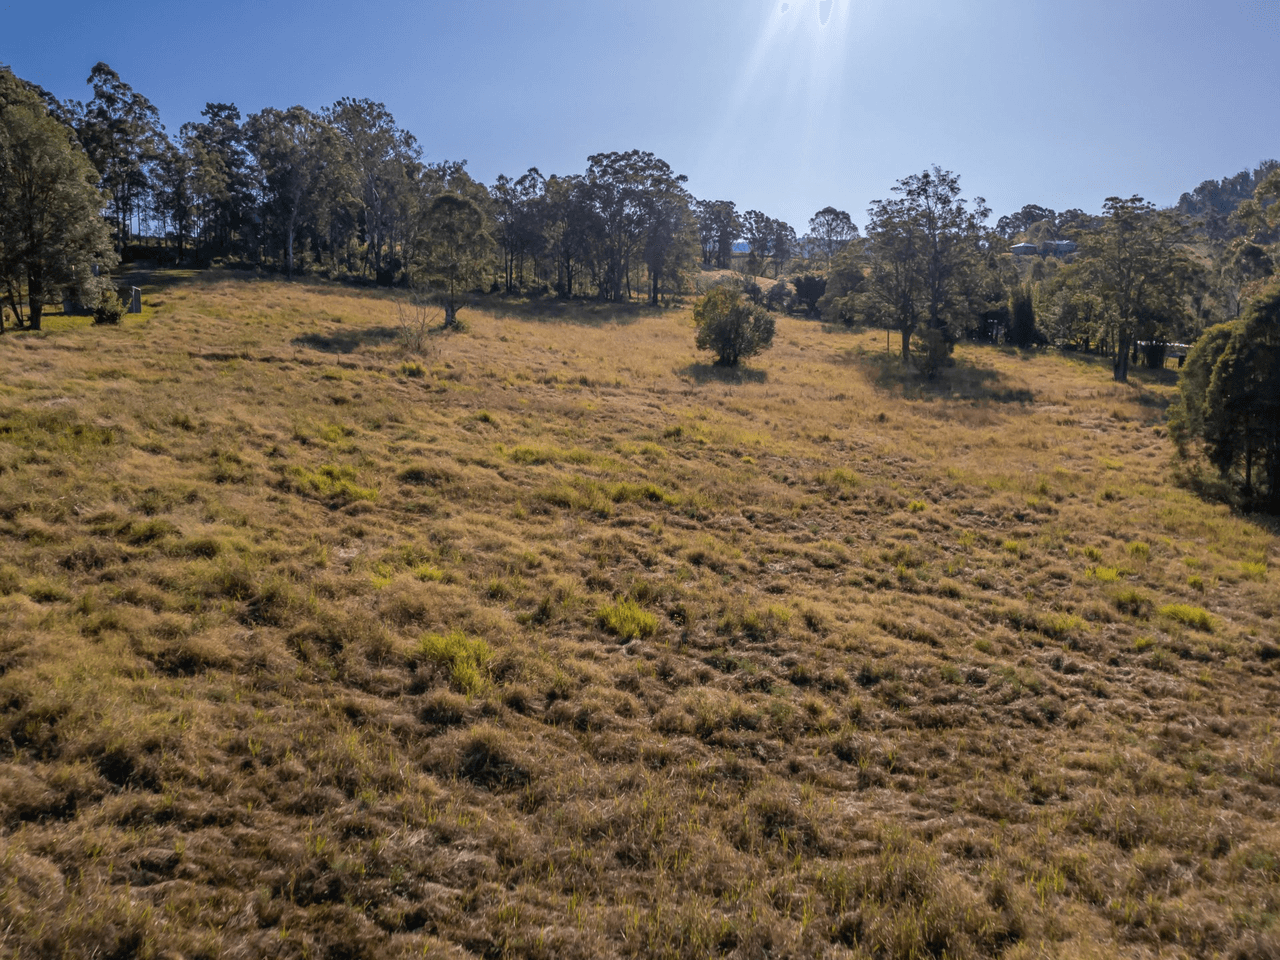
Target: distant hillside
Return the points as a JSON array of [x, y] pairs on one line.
[[1213, 202]]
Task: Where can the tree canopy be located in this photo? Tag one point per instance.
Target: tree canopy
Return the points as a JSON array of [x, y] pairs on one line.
[[51, 228], [731, 326], [1229, 401], [923, 245]]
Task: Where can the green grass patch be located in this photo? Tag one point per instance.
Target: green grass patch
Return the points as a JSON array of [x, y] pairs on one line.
[[1133, 602], [627, 619], [1254, 571], [1139, 550], [329, 482], [1195, 617], [465, 659], [543, 455]]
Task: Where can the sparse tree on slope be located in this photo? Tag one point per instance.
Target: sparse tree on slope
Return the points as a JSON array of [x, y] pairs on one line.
[[923, 244], [452, 249], [732, 327]]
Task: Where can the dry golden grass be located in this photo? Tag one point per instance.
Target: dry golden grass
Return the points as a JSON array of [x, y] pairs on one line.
[[556, 641]]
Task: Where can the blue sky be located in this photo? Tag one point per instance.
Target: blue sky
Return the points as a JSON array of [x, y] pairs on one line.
[[1061, 104]]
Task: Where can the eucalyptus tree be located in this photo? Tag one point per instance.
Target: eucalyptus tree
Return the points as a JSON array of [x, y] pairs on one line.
[[519, 214], [718, 228], [924, 244], [51, 228], [382, 157], [573, 229], [121, 132], [831, 230], [758, 231], [175, 192], [223, 188], [642, 209], [291, 150], [1137, 261], [782, 244], [452, 249]]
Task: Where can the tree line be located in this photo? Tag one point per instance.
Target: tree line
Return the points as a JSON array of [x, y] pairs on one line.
[[346, 192]]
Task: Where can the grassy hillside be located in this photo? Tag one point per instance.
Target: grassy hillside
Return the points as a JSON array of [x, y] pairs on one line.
[[555, 641]]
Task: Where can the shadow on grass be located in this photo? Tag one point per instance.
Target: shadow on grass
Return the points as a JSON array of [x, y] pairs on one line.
[[960, 381], [710, 373], [348, 341], [1202, 480], [588, 313]]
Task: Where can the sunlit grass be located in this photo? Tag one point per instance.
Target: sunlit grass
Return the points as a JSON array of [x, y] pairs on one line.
[[551, 642]]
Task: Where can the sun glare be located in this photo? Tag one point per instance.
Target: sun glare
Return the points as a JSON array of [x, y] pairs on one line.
[[796, 66]]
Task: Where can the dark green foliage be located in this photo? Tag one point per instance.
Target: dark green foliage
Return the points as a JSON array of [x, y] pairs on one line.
[[779, 297], [1022, 324], [809, 289], [1230, 400], [110, 308], [731, 327], [50, 228]]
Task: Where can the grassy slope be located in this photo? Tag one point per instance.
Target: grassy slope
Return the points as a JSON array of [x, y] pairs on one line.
[[557, 642]]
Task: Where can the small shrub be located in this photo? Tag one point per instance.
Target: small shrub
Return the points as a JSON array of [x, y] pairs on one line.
[[1194, 617], [110, 308], [627, 620], [1103, 574], [731, 327]]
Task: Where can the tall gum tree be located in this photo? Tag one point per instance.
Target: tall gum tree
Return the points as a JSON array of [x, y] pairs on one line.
[[923, 245], [290, 148], [1137, 262], [120, 130]]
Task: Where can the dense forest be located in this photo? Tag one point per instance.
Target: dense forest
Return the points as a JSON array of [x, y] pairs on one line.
[[345, 193]]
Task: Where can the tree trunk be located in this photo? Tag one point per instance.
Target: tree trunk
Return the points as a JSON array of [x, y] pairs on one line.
[[1120, 367], [35, 299], [906, 346]]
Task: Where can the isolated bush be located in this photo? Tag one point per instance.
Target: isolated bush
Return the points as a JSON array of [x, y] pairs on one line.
[[110, 308], [731, 327]]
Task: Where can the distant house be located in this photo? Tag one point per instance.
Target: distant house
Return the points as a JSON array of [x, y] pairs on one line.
[[1054, 248]]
